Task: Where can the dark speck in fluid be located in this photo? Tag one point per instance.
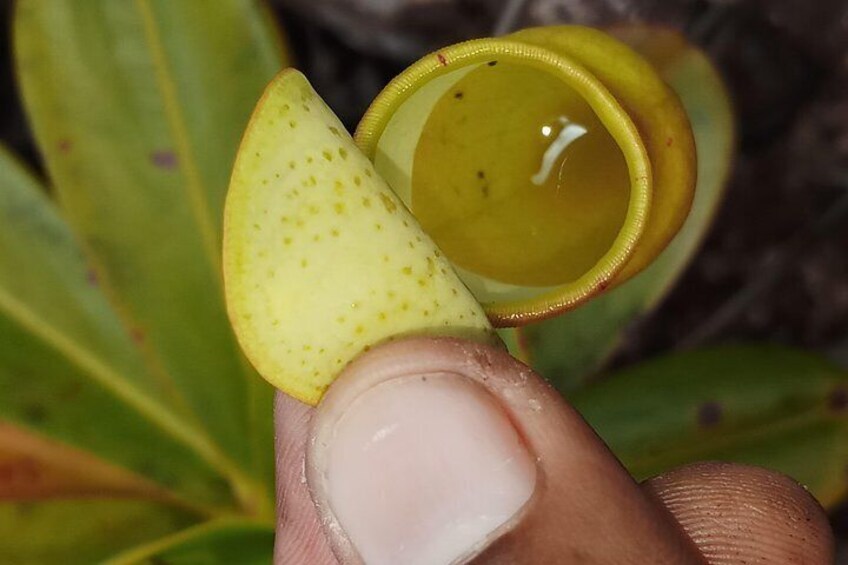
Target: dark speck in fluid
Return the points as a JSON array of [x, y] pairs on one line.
[[709, 414], [458, 95], [838, 400], [35, 413], [164, 159], [137, 336]]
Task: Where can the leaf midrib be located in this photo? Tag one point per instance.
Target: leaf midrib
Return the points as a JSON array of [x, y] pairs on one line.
[[114, 480], [179, 131], [139, 553], [682, 449], [201, 210], [111, 380]]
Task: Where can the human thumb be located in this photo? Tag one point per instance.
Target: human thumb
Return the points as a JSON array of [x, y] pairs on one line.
[[443, 451]]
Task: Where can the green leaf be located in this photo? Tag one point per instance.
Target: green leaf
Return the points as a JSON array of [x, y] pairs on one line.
[[138, 108], [242, 542], [777, 408], [569, 348], [68, 369], [34, 467], [512, 339], [79, 532]]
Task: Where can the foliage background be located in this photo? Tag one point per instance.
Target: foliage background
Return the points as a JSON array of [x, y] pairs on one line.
[[773, 269]]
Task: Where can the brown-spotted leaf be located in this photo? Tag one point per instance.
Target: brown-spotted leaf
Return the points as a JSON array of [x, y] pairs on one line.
[[68, 371], [34, 467], [777, 408], [138, 108]]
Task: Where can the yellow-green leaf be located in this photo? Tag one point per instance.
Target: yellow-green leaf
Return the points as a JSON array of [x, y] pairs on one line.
[[34, 467], [68, 370], [242, 542], [138, 108], [777, 408], [79, 532]]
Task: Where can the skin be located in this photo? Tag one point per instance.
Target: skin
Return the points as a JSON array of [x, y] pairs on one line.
[[585, 507]]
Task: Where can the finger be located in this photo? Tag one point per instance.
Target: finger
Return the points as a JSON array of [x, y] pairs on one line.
[[434, 450], [300, 538], [740, 514]]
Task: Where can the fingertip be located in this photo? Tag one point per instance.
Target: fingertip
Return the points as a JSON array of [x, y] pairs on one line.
[[737, 513], [299, 536]]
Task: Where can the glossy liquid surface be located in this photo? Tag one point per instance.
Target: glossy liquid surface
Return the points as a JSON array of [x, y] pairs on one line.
[[516, 179]]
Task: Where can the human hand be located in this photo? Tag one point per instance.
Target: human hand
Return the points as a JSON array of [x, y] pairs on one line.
[[437, 451]]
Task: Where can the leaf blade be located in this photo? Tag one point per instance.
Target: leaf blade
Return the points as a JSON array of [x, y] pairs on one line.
[[65, 356], [757, 405], [225, 541], [36, 468], [143, 172], [80, 532]]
